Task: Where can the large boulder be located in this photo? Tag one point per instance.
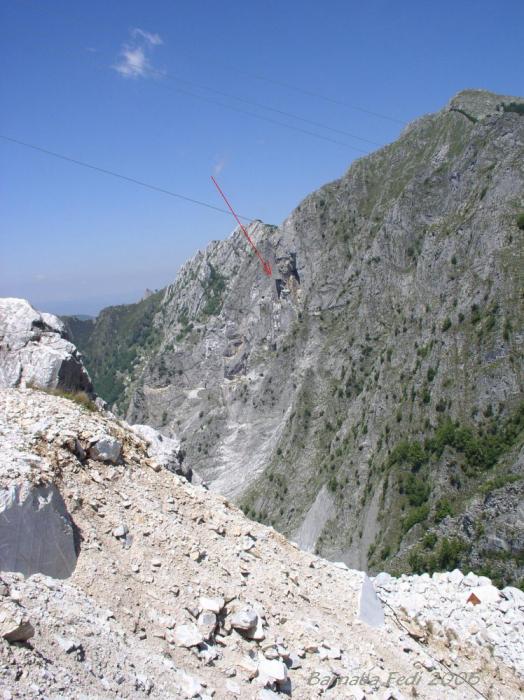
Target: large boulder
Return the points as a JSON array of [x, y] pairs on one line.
[[36, 532], [34, 350]]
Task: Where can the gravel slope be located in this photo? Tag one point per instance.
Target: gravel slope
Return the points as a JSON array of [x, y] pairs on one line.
[[131, 622]]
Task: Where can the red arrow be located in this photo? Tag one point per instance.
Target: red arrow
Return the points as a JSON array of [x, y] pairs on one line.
[[265, 264]]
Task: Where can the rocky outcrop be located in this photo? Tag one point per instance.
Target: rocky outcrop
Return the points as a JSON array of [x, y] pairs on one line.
[[35, 351], [376, 375], [176, 594], [164, 450]]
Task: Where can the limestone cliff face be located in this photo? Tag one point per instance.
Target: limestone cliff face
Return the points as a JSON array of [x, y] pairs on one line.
[[365, 398]]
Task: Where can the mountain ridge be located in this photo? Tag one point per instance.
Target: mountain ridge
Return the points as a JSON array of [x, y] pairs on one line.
[[316, 398]]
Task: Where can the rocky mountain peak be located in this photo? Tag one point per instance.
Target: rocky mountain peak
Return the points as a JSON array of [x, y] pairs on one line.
[[479, 104]]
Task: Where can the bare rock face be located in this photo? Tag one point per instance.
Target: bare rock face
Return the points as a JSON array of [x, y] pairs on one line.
[[35, 351], [36, 533]]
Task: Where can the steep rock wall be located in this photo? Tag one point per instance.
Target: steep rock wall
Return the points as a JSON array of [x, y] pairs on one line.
[[382, 361]]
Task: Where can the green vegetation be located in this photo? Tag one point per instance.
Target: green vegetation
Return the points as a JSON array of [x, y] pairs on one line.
[[114, 343], [333, 484], [517, 107], [78, 397], [477, 450], [415, 487], [443, 509], [78, 329], [409, 453], [417, 515], [475, 314], [471, 118], [480, 450], [446, 556], [430, 540], [495, 567], [214, 288], [187, 327], [520, 221], [498, 482], [452, 553]]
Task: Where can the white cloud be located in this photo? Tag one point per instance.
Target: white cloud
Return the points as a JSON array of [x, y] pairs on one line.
[[219, 165], [153, 39], [134, 59], [133, 63]]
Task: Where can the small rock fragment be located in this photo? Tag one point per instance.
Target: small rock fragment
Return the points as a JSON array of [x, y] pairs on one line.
[[120, 531], [207, 622], [105, 449], [249, 665], [266, 694], [188, 635], [190, 685], [14, 625], [244, 620], [144, 684], [293, 661], [214, 605], [272, 669], [233, 687], [67, 645]]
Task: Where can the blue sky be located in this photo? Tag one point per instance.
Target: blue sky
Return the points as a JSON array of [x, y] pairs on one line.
[[107, 83]]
